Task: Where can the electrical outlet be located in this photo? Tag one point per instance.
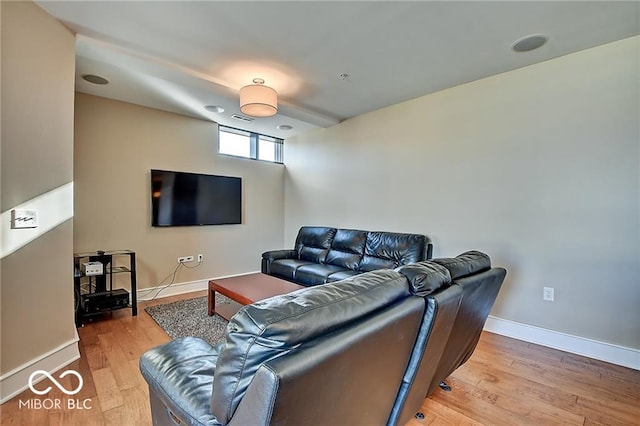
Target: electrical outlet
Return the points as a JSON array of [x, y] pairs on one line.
[[184, 259], [547, 294], [200, 258]]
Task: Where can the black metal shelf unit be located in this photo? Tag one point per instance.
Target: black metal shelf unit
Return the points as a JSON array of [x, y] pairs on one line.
[[94, 293]]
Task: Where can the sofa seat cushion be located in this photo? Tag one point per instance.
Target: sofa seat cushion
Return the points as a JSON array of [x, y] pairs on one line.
[[180, 373], [315, 274], [286, 268], [342, 275], [271, 328]]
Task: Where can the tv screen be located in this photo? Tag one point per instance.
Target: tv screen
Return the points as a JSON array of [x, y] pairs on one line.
[[192, 199]]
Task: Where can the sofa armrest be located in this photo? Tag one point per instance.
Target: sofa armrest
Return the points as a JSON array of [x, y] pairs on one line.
[[180, 378], [270, 256], [280, 254]]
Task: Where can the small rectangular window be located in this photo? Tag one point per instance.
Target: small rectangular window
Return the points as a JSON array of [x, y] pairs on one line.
[[235, 142], [242, 143], [267, 148]]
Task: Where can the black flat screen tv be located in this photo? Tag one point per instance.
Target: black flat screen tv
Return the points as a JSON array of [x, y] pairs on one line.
[[192, 199]]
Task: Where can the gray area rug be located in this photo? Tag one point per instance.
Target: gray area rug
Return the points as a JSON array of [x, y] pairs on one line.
[[189, 318]]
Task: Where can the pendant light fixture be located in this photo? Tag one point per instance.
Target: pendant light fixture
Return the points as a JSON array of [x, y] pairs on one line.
[[258, 100]]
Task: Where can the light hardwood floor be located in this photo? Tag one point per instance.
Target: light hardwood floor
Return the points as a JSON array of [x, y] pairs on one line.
[[506, 382]]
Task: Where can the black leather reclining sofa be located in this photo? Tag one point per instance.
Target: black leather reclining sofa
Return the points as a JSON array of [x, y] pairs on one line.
[[364, 351], [322, 255]]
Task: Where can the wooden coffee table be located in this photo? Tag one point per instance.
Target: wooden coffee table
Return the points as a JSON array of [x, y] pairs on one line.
[[244, 290]]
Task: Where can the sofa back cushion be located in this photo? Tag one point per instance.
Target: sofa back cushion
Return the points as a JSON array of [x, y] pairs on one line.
[[348, 377], [347, 248], [271, 328], [465, 264], [388, 250], [425, 277], [313, 243]]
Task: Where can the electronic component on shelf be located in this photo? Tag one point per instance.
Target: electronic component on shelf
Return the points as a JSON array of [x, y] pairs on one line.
[[105, 301], [93, 268]]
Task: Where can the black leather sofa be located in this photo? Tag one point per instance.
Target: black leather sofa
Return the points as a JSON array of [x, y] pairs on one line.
[[323, 254], [469, 290], [480, 285], [365, 350]]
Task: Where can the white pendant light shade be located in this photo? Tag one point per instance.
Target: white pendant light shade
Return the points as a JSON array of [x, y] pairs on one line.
[[258, 100]]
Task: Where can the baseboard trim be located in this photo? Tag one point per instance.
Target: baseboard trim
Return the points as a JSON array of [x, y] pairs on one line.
[[147, 294], [615, 354], [16, 381]]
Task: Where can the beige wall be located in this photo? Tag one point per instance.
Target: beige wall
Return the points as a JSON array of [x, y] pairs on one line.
[[116, 145], [37, 157], [539, 167]]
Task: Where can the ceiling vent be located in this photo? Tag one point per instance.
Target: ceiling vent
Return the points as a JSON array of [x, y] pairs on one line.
[[241, 118]]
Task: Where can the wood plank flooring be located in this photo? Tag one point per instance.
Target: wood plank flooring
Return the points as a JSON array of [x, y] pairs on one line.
[[506, 382]]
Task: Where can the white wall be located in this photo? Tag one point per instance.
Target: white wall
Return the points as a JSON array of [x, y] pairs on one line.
[[37, 158], [116, 146], [538, 167]]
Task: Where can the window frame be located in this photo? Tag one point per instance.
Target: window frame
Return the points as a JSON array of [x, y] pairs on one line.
[[254, 141]]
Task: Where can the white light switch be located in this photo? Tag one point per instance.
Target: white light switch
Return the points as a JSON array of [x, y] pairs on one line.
[[24, 219]]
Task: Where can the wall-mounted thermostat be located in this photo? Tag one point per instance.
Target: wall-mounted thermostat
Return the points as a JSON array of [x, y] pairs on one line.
[[23, 218]]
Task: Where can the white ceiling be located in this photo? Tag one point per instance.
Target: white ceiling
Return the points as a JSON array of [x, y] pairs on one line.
[[182, 55]]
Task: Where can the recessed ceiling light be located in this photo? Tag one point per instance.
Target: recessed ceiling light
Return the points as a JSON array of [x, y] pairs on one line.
[[530, 42], [95, 79], [214, 108], [284, 127]]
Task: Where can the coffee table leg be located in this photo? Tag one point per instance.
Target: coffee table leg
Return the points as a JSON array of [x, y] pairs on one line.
[[212, 301]]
